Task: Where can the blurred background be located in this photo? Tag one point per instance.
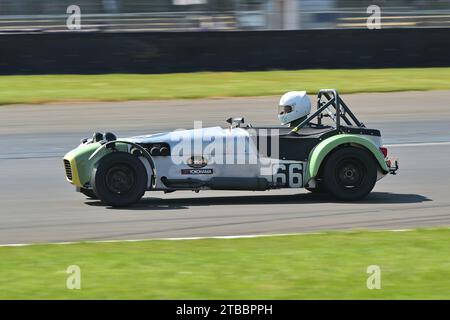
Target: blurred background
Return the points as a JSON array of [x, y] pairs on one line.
[[204, 15]]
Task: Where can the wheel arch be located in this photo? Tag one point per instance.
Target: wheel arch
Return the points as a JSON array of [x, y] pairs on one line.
[[127, 147], [320, 153]]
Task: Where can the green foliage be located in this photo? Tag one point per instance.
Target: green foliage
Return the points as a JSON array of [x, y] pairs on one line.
[[116, 87]]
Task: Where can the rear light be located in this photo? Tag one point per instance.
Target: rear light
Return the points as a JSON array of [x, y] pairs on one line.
[[384, 151]]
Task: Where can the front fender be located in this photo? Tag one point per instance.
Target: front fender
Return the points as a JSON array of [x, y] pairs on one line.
[[319, 153]]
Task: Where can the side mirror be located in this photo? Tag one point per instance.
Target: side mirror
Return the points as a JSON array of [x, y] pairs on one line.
[[235, 121]]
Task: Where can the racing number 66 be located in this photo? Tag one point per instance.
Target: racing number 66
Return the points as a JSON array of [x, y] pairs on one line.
[[288, 175]]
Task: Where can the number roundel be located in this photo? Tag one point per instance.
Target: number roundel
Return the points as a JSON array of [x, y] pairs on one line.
[[288, 175]]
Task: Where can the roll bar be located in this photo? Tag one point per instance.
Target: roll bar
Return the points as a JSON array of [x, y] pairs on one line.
[[325, 99]]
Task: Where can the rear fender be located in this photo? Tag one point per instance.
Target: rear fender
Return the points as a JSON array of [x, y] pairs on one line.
[[320, 152]]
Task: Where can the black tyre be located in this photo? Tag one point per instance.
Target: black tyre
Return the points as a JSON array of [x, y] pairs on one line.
[[119, 179], [350, 173], [319, 189], [88, 193]]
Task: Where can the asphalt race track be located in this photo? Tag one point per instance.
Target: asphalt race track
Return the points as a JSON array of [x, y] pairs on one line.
[[38, 205]]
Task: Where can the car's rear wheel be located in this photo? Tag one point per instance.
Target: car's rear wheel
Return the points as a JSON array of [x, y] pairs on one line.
[[350, 173], [119, 179]]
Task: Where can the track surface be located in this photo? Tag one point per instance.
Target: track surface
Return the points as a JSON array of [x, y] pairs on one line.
[[38, 205]]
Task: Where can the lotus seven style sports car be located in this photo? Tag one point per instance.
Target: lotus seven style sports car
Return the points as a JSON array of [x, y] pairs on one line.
[[328, 151]]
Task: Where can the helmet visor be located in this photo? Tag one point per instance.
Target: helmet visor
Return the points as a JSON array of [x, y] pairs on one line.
[[284, 109]]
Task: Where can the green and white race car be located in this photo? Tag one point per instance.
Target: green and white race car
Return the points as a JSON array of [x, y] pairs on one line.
[[328, 151]]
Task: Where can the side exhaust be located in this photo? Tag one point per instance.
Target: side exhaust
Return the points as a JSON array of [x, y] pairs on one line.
[[218, 183]]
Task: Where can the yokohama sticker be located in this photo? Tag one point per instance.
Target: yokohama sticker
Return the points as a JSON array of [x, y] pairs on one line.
[[196, 171]]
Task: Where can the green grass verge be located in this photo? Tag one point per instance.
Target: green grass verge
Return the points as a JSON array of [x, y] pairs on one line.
[[115, 87], [414, 264]]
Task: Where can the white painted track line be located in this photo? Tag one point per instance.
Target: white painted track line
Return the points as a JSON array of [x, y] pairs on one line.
[[247, 236], [418, 144]]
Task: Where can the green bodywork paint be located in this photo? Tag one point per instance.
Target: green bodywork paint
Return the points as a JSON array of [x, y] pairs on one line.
[[81, 163], [319, 153]]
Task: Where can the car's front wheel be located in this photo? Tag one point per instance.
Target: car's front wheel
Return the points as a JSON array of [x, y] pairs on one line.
[[350, 173], [119, 179]]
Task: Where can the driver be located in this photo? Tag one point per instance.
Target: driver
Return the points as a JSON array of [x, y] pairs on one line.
[[294, 107]]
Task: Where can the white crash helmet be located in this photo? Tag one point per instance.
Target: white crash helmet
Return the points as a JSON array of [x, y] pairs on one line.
[[293, 105]]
